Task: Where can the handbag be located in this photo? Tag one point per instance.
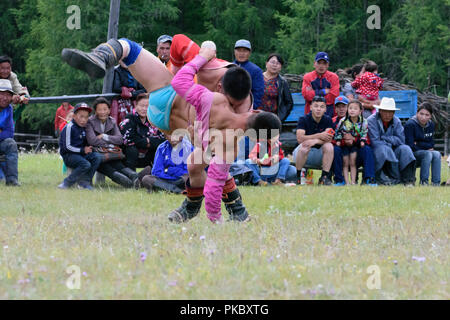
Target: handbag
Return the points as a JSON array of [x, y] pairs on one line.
[[110, 153]]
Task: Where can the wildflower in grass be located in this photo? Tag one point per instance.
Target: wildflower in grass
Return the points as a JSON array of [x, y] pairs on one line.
[[172, 283], [202, 238], [191, 284], [419, 259], [395, 262], [143, 256], [84, 274], [270, 259]]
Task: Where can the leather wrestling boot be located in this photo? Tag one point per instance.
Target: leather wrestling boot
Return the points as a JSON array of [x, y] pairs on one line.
[[232, 199], [190, 207], [96, 62]]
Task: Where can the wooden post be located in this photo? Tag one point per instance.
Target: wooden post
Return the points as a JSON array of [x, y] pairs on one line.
[[113, 32]]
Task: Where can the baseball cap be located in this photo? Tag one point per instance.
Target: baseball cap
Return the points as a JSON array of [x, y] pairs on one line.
[[341, 99], [82, 106], [243, 44], [5, 85], [164, 38], [322, 56]]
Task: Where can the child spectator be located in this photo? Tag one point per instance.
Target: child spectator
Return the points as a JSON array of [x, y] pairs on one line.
[[369, 83], [75, 152], [351, 134], [268, 163], [169, 172], [61, 117], [21, 94]]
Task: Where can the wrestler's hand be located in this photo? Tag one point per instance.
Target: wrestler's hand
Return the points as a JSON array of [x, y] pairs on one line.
[[207, 53]]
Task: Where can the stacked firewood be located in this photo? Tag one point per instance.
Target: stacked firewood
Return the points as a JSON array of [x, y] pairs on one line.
[[440, 114]]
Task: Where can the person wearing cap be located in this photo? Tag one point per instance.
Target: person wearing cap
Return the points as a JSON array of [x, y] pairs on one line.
[[314, 137], [163, 49], [394, 160], [8, 146], [75, 151], [242, 52], [321, 82], [61, 115], [21, 94]]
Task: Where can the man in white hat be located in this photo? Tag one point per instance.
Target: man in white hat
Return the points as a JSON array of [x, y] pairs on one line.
[[394, 160], [8, 146]]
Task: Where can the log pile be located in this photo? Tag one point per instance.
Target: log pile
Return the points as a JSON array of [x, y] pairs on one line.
[[440, 114]]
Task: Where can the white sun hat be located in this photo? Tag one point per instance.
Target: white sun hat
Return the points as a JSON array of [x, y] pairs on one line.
[[387, 104]]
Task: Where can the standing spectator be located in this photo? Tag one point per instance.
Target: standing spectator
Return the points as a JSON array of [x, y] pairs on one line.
[[321, 82], [394, 160], [61, 115], [277, 97], [7, 144], [368, 84], [242, 52], [169, 172], [140, 137], [419, 136], [163, 50], [21, 94], [268, 163], [75, 151], [129, 88], [103, 132], [314, 135]]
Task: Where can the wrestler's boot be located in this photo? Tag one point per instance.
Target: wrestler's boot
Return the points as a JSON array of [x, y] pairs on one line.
[[233, 202], [96, 62], [190, 207]]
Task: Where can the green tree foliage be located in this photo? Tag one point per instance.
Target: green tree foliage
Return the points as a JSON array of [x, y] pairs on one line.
[[411, 47]]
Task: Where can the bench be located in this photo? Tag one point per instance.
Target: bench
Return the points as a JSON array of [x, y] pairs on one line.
[[405, 100]]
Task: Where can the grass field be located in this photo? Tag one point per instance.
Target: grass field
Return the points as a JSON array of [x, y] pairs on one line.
[[305, 242]]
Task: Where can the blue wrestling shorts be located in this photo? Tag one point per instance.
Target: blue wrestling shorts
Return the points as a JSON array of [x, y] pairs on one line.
[[160, 106]]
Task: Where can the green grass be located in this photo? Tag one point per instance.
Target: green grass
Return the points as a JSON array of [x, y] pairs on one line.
[[305, 242]]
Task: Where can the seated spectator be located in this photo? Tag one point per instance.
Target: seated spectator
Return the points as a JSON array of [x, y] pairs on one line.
[[140, 138], [321, 82], [419, 136], [268, 163], [351, 135], [277, 97], [364, 155], [369, 83], [169, 172], [61, 117], [75, 151], [394, 160], [8, 146], [103, 132], [314, 134], [21, 94], [128, 87]]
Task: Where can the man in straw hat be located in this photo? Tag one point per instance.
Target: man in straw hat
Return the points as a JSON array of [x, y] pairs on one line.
[[394, 160], [8, 146]]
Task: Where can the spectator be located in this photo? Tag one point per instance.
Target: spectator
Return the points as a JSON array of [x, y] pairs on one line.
[[75, 151], [268, 163], [169, 172], [348, 90], [61, 115], [140, 138], [364, 155], [369, 83], [21, 94], [277, 97], [314, 134], [321, 82], [419, 136], [103, 132], [8, 146], [129, 88], [394, 160], [351, 135], [163, 49], [242, 52]]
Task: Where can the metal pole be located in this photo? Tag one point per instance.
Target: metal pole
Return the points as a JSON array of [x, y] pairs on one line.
[[113, 32]]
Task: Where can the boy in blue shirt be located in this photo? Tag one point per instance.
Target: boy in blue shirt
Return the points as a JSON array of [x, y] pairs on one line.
[[75, 151]]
